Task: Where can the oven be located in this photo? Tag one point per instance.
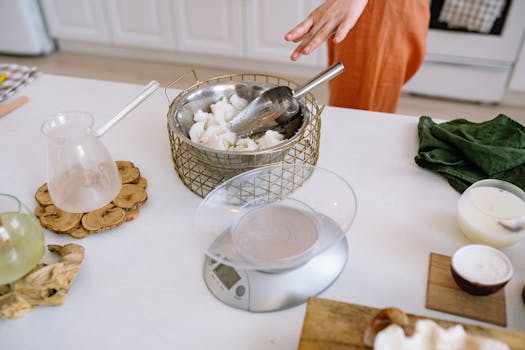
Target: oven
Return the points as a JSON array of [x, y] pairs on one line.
[[468, 57]]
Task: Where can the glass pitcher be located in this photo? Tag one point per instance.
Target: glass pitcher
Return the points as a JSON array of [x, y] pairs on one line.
[[21, 239], [82, 175]]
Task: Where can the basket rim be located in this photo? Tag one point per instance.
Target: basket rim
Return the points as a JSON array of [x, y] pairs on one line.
[[283, 146]]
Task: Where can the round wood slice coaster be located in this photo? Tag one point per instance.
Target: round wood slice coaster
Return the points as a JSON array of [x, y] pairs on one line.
[[124, 207]]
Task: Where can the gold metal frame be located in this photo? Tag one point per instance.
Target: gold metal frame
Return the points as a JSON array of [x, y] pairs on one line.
[[202, 169]]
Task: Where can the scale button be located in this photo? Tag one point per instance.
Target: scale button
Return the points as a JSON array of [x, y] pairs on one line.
[[240, 290]]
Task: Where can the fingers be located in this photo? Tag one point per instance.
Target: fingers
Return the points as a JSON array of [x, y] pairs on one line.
[[299, 31], [312, 32], [349, 22], [312, 41], [332, 17], [342, 31], [296, 55], [319, 37]]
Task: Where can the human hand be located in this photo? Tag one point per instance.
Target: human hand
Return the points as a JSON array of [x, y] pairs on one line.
[[333, 16]]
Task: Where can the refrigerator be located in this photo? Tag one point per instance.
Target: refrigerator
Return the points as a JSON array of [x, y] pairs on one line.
[[22, 29]]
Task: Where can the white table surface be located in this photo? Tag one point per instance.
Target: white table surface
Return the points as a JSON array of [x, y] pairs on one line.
[[140, 285]]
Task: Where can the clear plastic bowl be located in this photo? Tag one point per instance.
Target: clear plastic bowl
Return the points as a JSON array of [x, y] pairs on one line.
[[236, 223], [281, 235]]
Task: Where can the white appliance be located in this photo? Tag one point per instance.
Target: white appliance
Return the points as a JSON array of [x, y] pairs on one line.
[[471, 66], [23, 28]]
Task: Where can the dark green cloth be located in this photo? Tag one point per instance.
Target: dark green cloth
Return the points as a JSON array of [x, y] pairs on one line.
[[465, 152]]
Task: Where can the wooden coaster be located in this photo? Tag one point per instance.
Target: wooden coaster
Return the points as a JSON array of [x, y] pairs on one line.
[[124, 207], [443, 294]]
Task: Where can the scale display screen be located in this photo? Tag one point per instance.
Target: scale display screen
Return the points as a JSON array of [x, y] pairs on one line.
[[227, 275]]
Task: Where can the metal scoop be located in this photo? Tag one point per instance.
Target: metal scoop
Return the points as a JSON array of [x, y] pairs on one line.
[[277, 105]]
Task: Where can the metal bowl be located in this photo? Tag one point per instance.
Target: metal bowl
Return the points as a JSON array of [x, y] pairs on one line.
[[202, 168]]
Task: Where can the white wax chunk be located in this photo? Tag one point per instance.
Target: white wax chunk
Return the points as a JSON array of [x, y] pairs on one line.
[[229, 138], [245, 144], [430, 336], [269, 139], [210, 135], [223, 109], [211, 129], [201, 116], [196, 131], [238, 102]]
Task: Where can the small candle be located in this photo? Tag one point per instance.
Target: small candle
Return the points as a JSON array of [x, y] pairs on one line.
[[483, 205]]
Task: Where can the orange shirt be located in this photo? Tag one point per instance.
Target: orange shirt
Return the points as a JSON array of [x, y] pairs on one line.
[[380, 54]]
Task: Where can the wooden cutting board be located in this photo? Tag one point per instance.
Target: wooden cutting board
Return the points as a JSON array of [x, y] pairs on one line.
[[333, 325]]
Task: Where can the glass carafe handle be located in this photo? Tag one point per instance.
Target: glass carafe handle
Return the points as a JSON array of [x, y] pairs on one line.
[[150, 88]]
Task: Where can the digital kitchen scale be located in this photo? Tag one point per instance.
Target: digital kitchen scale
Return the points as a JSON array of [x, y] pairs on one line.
[[258, 291], [274, 236]]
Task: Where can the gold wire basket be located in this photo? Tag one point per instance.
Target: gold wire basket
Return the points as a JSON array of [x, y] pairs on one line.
[[200, 168]]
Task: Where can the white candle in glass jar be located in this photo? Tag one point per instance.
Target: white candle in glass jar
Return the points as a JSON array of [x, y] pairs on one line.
[[485, 203]]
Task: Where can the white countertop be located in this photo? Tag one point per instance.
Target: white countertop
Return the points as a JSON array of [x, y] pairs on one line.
[[140, 285]]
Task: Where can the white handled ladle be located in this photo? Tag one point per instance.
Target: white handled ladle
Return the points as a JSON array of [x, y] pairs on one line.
[[150, 88]]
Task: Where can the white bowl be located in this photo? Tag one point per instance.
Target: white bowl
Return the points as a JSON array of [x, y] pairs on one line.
[[480, 270], [482, 208]]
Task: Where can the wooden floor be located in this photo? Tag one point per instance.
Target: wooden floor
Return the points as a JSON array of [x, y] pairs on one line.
[[141, 72]]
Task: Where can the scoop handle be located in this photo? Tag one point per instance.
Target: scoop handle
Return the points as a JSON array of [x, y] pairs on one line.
[[150, 88], [330, 73]]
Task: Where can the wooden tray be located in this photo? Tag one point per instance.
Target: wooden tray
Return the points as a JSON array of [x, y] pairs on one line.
[[332, 325]]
